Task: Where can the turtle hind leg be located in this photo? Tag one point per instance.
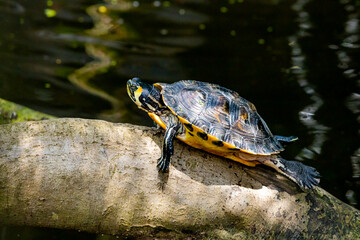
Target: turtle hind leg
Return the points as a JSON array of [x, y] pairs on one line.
[[305, 176]]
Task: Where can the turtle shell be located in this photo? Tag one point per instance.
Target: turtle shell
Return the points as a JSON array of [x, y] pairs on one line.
[[222, 114]]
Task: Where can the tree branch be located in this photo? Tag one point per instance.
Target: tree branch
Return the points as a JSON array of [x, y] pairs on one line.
[[101, 177]]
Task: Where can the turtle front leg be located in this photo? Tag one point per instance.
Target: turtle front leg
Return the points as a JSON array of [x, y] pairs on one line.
[[168, 148]]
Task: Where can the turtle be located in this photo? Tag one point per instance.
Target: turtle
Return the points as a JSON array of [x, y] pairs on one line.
[[217, 120]]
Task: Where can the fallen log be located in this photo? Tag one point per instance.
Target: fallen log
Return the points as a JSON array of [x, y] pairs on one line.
[[101, 177]]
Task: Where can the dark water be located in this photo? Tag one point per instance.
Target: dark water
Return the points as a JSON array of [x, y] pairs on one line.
[[298, 61]]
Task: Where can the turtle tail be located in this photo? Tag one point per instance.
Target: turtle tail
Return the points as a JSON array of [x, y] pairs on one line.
[[305, 176]]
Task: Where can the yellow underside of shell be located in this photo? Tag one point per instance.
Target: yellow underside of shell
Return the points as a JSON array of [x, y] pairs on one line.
[[192, 138]]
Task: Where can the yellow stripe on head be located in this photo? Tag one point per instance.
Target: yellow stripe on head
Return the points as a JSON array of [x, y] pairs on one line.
[[137, 95]]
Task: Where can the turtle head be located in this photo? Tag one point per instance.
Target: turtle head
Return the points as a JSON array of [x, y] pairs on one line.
[[146, 96]]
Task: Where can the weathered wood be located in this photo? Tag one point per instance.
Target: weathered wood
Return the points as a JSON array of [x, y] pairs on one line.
[[101, 177]]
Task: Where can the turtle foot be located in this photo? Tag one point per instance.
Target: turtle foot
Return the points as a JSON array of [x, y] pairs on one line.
[[305, 176]]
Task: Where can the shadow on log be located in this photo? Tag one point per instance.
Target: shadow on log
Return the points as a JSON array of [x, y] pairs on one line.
[[101, 177]]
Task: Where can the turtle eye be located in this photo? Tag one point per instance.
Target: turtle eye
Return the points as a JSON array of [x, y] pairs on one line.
[[134, 88]]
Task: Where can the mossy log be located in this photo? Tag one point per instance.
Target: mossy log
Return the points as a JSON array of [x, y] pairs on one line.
[[101, 177], [11, 112]]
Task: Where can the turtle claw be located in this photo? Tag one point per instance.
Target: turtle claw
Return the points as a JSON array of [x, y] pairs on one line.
[[313, 178]]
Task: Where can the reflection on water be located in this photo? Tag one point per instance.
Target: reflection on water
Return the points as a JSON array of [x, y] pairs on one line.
[[296, 60], [116, 35], [347, 53], [316, 130], [340, 68], [34, 56]]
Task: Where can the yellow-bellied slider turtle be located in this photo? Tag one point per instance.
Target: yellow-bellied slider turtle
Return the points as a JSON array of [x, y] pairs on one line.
[[217, 120]]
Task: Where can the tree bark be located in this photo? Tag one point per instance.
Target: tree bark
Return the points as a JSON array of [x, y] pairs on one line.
[[101, 177]]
